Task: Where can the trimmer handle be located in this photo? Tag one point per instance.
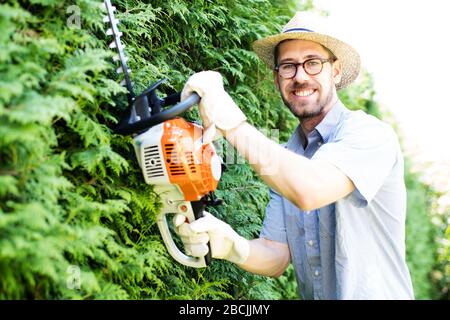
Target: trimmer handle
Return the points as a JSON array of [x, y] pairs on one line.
[[173, 204], [198, 207], [167, 114], [174, 251], [147, 110]]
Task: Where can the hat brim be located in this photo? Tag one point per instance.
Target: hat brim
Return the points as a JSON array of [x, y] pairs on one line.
[[349, 57]]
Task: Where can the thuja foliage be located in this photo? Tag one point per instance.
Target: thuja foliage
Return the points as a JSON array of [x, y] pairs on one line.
[[77, 220], [72, 223]]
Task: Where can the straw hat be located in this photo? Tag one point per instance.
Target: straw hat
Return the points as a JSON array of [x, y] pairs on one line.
[[308, 26]]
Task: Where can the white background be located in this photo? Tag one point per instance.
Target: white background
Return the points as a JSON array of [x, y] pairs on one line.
[[406, 47]]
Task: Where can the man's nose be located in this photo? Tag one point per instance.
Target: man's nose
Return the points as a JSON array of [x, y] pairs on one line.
[[301, 75]]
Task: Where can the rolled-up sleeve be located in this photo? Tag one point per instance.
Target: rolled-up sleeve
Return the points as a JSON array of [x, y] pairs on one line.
[[365, 151], [274, 227]]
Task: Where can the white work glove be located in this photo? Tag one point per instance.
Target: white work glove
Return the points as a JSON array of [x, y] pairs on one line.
[[224, 241], [217, 109]]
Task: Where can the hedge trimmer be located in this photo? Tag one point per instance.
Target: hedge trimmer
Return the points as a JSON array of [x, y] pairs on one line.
[[170, 151]]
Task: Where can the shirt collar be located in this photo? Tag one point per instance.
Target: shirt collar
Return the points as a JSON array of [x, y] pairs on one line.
[[331, 120]]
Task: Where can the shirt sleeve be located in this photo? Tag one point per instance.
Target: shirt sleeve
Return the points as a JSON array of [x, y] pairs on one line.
[[274, 227], [365, 150]]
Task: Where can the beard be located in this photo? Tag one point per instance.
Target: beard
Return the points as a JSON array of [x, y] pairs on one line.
[[307, 109]]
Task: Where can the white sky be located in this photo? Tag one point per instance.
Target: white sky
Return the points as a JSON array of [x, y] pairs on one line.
[[405, 44]]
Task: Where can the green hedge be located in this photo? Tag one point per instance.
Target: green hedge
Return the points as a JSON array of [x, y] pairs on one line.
[[73, 202]]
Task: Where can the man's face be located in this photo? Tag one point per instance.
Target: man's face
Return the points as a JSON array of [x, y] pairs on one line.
[[305, 95]]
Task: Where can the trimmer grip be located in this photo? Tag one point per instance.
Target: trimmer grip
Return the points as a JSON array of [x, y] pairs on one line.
[[198, 207]]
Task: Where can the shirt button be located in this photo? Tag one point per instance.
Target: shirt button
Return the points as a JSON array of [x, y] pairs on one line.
[[316, 273], [311, 242], [319, 143], [307, 212]]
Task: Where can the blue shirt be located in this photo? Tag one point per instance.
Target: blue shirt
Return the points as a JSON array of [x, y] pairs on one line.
[[353, 248]]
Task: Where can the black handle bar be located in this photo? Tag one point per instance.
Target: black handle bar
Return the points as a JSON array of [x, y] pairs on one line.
[[167, 114]]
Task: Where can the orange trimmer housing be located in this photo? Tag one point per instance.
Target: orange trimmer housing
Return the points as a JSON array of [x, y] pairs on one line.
[[189, 163]]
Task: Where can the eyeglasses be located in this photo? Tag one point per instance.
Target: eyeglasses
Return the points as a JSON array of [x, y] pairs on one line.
[[312, 67]]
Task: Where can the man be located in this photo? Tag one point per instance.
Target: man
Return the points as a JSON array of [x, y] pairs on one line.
[[338, 199]]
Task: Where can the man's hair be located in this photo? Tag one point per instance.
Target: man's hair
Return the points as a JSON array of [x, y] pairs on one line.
[[276, 52]]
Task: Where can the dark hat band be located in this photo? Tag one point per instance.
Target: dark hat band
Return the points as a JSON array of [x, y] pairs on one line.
[[297, 29]]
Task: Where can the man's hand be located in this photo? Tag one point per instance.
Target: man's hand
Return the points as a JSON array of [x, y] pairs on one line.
[[217, 109], [224, 241]]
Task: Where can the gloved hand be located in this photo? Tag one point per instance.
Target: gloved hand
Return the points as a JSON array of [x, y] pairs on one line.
[[224, 241], [217, 109]]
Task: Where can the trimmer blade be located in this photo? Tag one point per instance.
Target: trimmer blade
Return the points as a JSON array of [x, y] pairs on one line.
[[117, 44]]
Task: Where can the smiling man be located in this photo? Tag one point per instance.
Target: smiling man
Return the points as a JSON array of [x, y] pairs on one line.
[[311, 95], [337, 201]]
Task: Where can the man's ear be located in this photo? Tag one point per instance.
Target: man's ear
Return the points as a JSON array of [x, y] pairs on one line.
[[275, 80], [337, 71]]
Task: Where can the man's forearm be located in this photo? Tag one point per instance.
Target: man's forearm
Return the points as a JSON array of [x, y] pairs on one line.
[[309, 184], [267, 258]]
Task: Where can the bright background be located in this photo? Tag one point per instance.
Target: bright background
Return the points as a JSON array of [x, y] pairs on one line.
[[405, 45]]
